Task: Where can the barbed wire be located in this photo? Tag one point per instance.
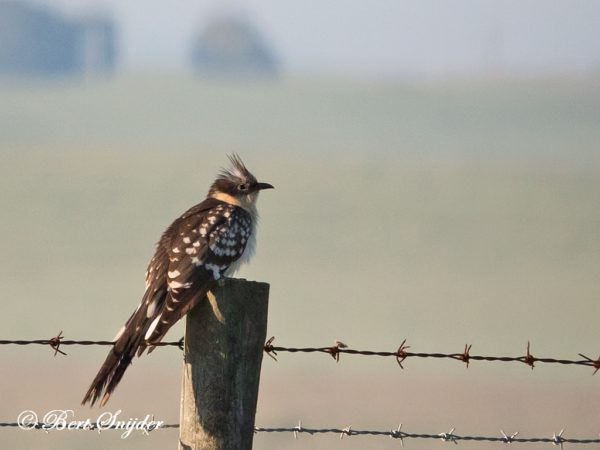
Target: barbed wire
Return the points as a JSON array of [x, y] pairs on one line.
[[92, 426], [397, 433], [57, 341], [401, 354], [450, 436]]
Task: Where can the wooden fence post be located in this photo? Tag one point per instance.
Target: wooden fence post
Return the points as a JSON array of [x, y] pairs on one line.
[[224, 339]]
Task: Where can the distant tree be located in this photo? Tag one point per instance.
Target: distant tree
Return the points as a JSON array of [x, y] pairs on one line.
[[232, 46]]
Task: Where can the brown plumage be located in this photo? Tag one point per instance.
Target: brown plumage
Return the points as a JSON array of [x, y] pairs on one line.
[[207, 242]]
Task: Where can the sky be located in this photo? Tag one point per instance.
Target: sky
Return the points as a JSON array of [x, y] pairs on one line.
[[380, 38]]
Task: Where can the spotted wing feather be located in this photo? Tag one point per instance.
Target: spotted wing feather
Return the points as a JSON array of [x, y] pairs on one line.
[[199, 256]]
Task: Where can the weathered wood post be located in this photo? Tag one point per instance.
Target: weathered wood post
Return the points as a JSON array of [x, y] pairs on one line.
[[223, 351]]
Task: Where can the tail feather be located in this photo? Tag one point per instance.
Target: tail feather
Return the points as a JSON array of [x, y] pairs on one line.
[[139, 334], [110, 374], [128, 341]]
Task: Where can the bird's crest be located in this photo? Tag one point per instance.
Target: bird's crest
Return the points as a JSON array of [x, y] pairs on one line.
[[236, 170]]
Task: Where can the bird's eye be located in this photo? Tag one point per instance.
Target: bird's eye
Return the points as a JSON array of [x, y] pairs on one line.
[[243, 187]]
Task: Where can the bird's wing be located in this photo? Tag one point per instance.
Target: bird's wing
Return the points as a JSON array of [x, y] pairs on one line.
[[191, 256], [200, 249]]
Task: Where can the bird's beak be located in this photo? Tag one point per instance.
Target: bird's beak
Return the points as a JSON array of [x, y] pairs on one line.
[[261, 186]]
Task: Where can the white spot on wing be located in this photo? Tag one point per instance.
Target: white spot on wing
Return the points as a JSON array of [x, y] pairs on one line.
[[152, 328], [174, 274], [176, 285], [119, 333], [151, 309]]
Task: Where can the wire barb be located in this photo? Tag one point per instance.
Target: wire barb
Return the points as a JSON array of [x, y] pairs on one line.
[[398, 434], [449, 436], [529, 359], [508, 439], [594, 363], [268, 348], [557, 439], [401, 353], [298, 429], [334, 351], [465, 356], [346, 432], [55, 343]]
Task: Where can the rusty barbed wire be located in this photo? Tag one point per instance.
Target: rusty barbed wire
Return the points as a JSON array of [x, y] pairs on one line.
[[401, 354], [57, 341]]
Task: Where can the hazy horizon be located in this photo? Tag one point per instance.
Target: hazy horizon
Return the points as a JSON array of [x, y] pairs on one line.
[[406, 39]]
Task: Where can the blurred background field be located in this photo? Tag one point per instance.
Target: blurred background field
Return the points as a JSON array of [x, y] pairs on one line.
[[392, 218], [441, 209]]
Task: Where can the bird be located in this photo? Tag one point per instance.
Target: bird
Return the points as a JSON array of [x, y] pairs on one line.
[[206, 243]]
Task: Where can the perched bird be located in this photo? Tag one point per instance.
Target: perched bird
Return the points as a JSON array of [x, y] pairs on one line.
[[209, 241]]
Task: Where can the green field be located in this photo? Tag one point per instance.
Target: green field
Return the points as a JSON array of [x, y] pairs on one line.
[[444, 213]]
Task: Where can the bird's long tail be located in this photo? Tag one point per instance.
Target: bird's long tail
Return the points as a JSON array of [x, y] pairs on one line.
[[116, 363], [146, 327]]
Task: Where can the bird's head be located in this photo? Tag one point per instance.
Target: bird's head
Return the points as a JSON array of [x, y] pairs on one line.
[[236, 185]]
